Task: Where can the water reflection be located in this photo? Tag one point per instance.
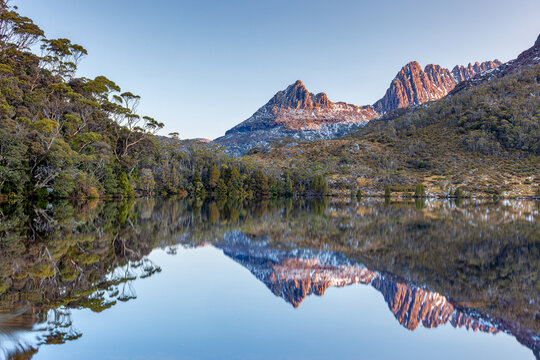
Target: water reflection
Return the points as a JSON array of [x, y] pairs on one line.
[[470, 264], [295, 275]]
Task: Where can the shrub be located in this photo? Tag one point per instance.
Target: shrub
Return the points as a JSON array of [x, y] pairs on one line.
[[419, 191]]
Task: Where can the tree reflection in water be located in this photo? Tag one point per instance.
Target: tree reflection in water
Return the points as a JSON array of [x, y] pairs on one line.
[[472, 264]]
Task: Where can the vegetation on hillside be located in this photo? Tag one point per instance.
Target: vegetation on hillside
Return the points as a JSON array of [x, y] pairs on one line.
[[482, 141]]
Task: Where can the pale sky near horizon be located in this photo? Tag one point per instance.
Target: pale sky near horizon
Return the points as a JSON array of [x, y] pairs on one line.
[[202, 67]]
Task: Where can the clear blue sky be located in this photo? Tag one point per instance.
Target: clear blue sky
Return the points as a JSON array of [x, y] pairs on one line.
[[203, 66]]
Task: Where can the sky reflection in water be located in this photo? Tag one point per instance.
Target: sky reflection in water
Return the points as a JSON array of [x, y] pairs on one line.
[[204, 305], [292, 284]]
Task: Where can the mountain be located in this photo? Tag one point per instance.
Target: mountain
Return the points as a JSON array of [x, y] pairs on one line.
[[462, 73], [298, 114], [483, 138], [295, 113], [527, 59], [295, 275], [414, 86]]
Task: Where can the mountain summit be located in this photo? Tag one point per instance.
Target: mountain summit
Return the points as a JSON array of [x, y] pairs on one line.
[[295, 108], [414, 86], [296, 113]]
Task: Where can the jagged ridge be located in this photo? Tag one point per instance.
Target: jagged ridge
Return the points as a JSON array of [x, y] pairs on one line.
[[414, 86]]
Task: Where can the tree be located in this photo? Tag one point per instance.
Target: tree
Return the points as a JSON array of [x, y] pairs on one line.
[[214, 177], [16, 32], [319, 186], [260, 186], [221, 191], [419, 191], [198, 187], [62, 57], [147, 181], [288, 187], [131, 128], [13, 170], [126, 191]]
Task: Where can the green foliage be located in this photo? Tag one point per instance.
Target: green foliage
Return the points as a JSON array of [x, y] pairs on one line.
[[260, 186], [214, 177], [13, 167], [319, 186], [63, 136], [147, 182], [419, 190], [124, 186]]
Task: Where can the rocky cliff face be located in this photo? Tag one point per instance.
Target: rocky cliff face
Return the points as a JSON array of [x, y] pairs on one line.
[[414, 86], [413, 306], [296, 113], [294, 273]]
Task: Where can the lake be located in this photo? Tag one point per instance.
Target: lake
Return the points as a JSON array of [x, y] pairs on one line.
[[290, 279]]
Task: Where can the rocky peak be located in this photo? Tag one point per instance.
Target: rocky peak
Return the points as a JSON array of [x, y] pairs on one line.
[[321, 101], [295, 96], [414, 86], [462, 73], [440, 77], [295, 112], [294, 278]]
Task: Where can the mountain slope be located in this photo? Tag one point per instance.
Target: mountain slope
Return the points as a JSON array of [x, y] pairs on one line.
[[527, 59], [297, 113]]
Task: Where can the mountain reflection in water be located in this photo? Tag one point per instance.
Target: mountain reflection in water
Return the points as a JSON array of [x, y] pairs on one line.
[[473, 264], [294, 276]]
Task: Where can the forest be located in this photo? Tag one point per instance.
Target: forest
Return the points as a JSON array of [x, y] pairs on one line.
[[63, 136]]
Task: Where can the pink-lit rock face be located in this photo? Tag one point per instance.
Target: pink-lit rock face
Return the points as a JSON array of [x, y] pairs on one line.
[[295, 113], [295, 108], [414, 86], [462, 73]]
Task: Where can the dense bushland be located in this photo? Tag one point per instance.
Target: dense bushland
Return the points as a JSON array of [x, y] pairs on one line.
[[63, 136]]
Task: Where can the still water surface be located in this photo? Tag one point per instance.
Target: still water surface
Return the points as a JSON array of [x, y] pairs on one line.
[[171, 279]]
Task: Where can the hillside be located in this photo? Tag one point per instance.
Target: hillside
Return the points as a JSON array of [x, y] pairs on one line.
[[483, 139]]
